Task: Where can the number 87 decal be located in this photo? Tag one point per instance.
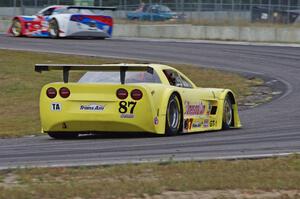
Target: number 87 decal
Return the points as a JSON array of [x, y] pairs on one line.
[[125, 106]]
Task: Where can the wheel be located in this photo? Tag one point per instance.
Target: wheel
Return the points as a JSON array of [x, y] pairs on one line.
[[54, 29], [16, 28], [227, 113], [173, 116], [63, 135]]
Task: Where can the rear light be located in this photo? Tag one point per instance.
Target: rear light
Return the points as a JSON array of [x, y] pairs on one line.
[[122, 93], [136, 94], [64, 92], [51, 92]]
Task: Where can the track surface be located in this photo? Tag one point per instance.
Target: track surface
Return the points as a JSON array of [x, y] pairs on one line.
[[269, 129]]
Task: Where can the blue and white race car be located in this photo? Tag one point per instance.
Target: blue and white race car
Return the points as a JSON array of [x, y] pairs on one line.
[[65, 21]]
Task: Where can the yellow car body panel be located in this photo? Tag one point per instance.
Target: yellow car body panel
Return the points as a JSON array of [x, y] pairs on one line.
[[95, 107], [75, 113]]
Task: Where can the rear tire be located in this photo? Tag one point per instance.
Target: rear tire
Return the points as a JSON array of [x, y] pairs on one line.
[[63, 135], [173, 116], [16, 28], [227, 120], [54, 29]]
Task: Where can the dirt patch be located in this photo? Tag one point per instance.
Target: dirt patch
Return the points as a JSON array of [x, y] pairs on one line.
[[236, 194], [259, 95], [263, 90], [10, 180]]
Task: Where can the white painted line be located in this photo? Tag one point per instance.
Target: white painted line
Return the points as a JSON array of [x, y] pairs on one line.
[[210, 42], [247, 43], [161, 160]]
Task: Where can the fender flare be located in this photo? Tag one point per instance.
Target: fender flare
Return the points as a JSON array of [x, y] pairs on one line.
[[58, 23], [236, 118], [164, 105], [9, 31]]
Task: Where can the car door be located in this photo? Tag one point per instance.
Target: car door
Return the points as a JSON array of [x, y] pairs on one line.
[[196, 102], [44, 18], [151, 13]]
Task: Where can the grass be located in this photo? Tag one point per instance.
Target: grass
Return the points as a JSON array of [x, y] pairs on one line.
[[128, 181], [20, 86]]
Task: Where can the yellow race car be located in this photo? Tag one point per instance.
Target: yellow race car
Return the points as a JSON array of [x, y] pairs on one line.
[[150, 98]]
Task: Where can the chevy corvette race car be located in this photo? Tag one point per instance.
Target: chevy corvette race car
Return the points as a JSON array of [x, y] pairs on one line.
[[64, 21], [132, 98]]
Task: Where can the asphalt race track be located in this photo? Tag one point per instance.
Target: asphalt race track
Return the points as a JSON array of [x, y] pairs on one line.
[[273, 128]]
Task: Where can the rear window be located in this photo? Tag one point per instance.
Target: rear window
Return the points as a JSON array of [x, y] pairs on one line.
[[114, 77]]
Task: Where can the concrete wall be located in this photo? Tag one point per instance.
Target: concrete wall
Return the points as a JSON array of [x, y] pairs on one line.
[[9, 11], [261, 34], [187, 31], [4, 25], [219, 16]]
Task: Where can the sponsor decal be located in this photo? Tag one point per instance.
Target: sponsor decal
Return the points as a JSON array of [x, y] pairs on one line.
[[194, 109], [197, 124], [125, 115], [56, 107], [213, 123], [188, 123], [156, 121], [92, 107], [206, 123]]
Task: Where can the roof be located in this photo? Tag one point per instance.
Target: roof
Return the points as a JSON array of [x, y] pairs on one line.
[[81, 7], [91, 7]]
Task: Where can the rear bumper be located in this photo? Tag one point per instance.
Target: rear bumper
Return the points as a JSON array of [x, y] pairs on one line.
[[96, 108], [87, 122], [98, 126], [89, 33]]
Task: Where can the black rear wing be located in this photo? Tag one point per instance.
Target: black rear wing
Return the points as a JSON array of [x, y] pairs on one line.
[[82, 67], [92, 8]]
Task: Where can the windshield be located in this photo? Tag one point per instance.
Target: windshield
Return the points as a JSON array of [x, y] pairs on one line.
[[164, 9], [50, 10], [59, 11], [114, 77]]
